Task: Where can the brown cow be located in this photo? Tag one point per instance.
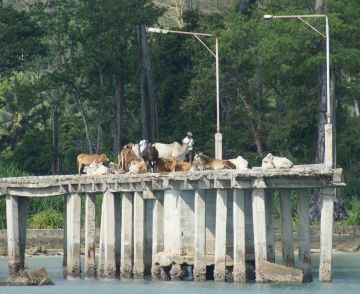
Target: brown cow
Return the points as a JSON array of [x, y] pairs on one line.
[[137, 167], [125, 157], [163, 165], [202, 162], [86, 159], [182, 166]]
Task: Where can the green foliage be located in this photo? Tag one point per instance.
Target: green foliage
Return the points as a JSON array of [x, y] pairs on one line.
[[354, 213], [47, 219]]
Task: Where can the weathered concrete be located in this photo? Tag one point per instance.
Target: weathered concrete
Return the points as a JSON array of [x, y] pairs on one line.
[[107, 262], [157, 233], [327, 212], [303, 233], [328, 158], [270, 234], [276, 273], [90, 235], [73, 235], [126, 236], [220, 235], [139, 222], [12, 220], [286, 228], [172, 233], [239, 271], [65, 233], [199, 271], [259, 222], [218, 146]]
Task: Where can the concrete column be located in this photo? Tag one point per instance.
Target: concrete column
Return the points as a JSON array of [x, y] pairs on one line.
[[259, 222], [172, 230], [12, 221], [126, 236], [303, 233], [218, 146], [327, 212], [158, 224], [90, 235], [239, 271], [117, 203], [107, 265], [139, 214], [286, 228], [199, 272], [65, 232], [270, 234], [220, 235], [73, 235], [328, 145]]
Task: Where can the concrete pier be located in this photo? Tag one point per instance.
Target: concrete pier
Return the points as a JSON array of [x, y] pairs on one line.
[[199, 271], [171, 222], [327, 212], [139, 217], [107, 261], [287, 247], [90, 235], [239, 271], [220, 236], [303, 233], [126, 264], [73, 235]]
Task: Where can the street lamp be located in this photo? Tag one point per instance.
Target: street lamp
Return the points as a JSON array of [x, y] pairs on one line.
[[218, 135], [328, 127]]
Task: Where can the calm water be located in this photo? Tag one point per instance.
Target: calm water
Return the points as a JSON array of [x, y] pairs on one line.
[[346, 279]]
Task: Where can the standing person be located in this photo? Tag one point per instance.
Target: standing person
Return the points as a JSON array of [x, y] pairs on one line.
[[190, 149]]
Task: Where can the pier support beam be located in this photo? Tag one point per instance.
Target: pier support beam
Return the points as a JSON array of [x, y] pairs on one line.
[[259, 221], [126, 236], [16, 219], [73, 235], [90, 235], [199, 272], [304, 233], [239, 271], [139, 223], [286, 228], [107, 266], [327, 212], [220, 235], [157, 234], [270, 233]]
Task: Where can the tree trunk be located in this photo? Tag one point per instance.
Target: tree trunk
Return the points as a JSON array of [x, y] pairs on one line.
[[55, 140], [119, 97], [149, 113], [244, 6], [77, 98], [101, 113]]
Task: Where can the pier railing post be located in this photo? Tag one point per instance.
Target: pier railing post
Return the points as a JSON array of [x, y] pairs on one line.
[[327, 211], [239, 271], [199, 272], [220, 235], [304, 233], [286, 228]]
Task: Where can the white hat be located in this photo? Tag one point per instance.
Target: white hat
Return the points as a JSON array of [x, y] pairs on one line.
[[189, 134]]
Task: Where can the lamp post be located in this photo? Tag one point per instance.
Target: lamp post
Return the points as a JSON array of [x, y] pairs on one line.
[[218, 135], [328, 160]]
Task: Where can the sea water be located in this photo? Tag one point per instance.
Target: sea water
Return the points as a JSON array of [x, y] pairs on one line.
[[346, 280]]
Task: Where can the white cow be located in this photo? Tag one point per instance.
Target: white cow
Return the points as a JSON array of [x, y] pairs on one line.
[[168, 151], [95, 169], [239, 162], [271, 161]]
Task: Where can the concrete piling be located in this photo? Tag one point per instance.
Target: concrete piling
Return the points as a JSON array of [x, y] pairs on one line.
[[270, 234], [139, 217], [73, 235], [220, 235], [327, 212], [126, 264], [239, 271], [287, 247], [90, 235], [304, 233]]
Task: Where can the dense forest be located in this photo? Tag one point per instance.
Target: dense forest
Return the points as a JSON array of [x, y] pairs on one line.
[[82, 76]]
